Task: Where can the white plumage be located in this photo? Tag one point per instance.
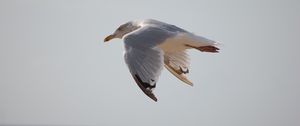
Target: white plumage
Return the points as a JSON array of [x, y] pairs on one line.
[[151, 44]]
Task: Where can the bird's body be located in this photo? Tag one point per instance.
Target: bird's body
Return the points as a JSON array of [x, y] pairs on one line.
[[151, 44]]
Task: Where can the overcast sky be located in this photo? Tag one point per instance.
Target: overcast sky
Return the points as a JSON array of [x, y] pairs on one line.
[[56, 70]]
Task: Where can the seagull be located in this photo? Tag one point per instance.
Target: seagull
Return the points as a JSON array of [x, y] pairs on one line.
[[151, 45]]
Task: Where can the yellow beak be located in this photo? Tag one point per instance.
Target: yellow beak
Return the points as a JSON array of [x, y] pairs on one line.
[[109, 38]]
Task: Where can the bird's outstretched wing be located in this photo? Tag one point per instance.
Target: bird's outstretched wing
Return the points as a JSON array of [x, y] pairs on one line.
[[145, 66], [143, 58]]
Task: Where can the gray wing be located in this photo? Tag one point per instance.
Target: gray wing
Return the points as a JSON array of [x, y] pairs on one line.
[[145, 66], [143, 58], [163, 25]]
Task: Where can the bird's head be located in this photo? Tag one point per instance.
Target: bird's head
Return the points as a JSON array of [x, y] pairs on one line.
[[122, 30]]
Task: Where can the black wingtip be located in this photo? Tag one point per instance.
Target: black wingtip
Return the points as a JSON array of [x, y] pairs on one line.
[[155, 100], [152, 96], [142, 85]]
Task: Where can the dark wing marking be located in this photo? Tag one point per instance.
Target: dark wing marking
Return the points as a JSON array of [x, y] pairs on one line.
[[146, 87]]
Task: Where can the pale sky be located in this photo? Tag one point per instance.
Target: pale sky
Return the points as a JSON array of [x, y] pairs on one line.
[[56, 70]]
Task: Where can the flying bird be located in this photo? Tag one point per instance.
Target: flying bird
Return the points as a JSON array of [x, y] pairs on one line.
[[151, 45]]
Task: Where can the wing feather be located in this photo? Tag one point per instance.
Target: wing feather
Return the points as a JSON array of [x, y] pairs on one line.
[[143, 58], [178, 64], [143, 70]]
